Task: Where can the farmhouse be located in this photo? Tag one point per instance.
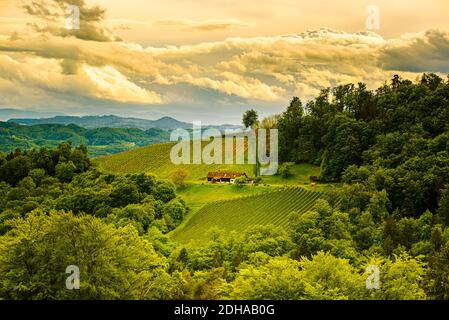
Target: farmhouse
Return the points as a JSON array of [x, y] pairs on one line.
[[224, 177]]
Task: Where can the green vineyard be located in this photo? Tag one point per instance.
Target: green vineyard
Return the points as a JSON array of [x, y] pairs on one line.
[[155, 159], [239, 214]]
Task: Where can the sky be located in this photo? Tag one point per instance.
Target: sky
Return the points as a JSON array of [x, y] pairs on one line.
[[208, 60]]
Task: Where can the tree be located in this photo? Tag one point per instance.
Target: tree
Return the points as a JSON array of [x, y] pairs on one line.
[[140, 215], [270, 122], [269, 239], [400, 279], [37, 175], [207, 285], [326, 277], [278, 279], [285, 169], [431, 80], [15, 169], [250, 118], [179, 177], [438, 274], [80, 159], [240, 181], [443, 206], [173, 213], [289, 124], [250, 121], [164, 191], [346, 140], [124, 193], [146, 183], [65, 171], [113, 263]]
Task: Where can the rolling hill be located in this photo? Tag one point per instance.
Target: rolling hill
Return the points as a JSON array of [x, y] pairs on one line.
[[9, 113], [228, 207], [100, 141], [112, 121], [271, 207], [155, 159]]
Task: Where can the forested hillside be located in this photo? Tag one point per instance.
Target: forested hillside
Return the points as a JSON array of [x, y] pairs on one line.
[[111, 121], [63, 179], [99, 141], [395, 138], [389, 147]]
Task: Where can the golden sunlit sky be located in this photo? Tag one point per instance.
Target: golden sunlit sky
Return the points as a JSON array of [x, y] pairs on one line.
[[209, 60]]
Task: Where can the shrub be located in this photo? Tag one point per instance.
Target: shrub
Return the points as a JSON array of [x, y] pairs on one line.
[[285, 170]]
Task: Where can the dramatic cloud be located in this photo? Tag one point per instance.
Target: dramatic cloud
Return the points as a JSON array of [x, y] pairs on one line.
[[263, 68], [208, 25], [56, 63], [52, 15], [91, 82], [425, 51]]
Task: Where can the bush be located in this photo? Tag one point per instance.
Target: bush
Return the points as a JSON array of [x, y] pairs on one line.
[[285, 170], [178, 178], [240, 181], [113, 262], [257, 180], [65, 171]]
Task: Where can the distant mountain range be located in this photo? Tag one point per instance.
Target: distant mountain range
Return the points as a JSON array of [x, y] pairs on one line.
[[100, 141], [112, 121], [101, 134], [9, 113]]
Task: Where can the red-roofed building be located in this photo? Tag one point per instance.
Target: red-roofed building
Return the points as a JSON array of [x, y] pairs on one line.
[[224, 177]]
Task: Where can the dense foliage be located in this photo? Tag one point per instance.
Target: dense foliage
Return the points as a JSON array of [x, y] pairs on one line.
[[99, 141], [250, 118], [63, 179], [395, 139], [390, 147], [112, 228], [260, 263]]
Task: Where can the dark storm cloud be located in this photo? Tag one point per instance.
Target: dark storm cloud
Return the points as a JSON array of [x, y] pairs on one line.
[[428, 51]]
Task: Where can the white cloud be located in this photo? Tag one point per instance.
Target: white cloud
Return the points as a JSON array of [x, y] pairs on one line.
[[110, 84], [206, 25], [91, 82], [265, 69]]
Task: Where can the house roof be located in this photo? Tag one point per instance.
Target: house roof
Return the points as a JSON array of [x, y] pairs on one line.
[[224, 174]]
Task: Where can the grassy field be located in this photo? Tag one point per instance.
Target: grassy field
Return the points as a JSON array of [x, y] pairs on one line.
[[300, 175], [237, 214], [197, 195], [155, 159], [226, 206]]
